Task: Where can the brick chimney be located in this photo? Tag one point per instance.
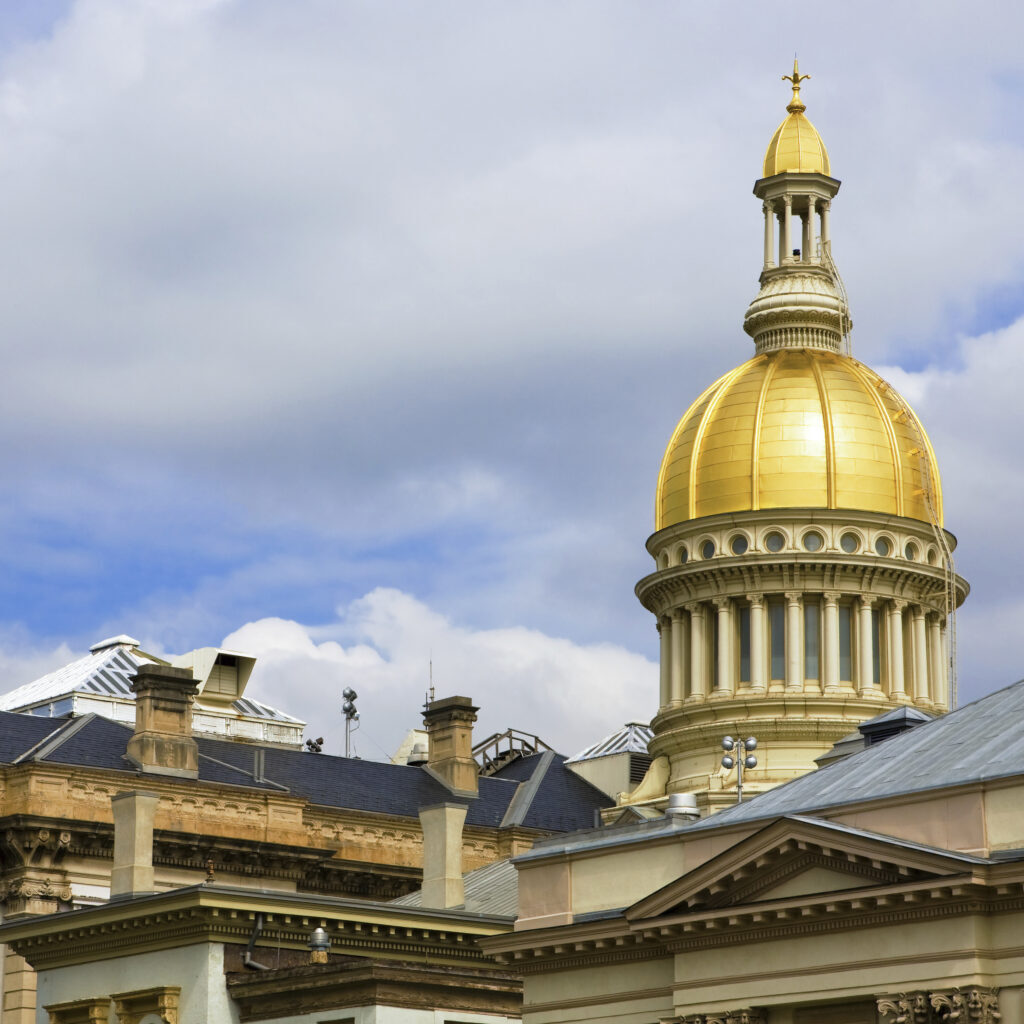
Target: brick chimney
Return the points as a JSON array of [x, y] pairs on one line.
[[163, 742], [132, 873], [449, 725]]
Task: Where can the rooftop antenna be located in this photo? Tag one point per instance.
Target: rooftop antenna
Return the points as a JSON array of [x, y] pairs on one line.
[[430, 692]]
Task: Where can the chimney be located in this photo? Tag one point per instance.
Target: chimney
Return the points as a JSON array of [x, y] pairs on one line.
[[449, 725], [442, 855], [132, 874], [163, 743]]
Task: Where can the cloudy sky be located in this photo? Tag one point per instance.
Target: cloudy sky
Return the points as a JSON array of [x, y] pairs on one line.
[[350, 334]]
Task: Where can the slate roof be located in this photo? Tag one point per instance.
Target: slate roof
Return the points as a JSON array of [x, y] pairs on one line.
[[558, 800]]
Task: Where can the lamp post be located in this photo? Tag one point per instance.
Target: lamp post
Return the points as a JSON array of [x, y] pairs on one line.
[[348, 709], [736, 756]]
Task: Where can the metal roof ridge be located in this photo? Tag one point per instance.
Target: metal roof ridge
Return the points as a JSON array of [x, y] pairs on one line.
[[522, 800], [48, 744]]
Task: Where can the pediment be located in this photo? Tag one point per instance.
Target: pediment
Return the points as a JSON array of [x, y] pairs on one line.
[[801, 860]]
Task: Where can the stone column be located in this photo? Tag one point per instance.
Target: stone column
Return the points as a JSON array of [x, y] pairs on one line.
[[921, 693], [665, 681], [794, 649], [698, 680], [807, 243], [758, 648], [944, 647], [724, 683], [826, 205], [830, 647], [785, 243], [865, 651], [936, 664], [769, 233], [680, 656], [896, 688]]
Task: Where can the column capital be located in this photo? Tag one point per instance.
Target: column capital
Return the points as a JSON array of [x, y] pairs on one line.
[[898, 604], [676, 614], [787, 200], [768, 206], [830, 596], [918, 611], [694, 607], [756, 600], [722, 603], [867, 601], [793, 596]]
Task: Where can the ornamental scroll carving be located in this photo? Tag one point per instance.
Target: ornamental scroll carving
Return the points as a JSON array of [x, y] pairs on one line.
[[162, 1002], [971, 1005], [744, 1016]]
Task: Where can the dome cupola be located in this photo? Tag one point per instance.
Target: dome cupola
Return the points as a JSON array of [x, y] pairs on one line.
[[803, 580]]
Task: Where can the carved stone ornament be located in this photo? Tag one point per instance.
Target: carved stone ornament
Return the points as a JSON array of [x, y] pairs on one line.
[[80, 1011], [971, 1005], [131, 1007], [743, 1016]]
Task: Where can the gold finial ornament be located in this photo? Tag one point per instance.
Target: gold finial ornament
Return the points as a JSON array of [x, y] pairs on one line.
[[796, 144], [796, 105]]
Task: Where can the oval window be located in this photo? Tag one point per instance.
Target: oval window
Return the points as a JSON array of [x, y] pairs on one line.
[[933, 556], [813, 541], [883, 547], [739, 544], [775, 542], [708, 549], [910, 552], [849, 542], [683, 556]]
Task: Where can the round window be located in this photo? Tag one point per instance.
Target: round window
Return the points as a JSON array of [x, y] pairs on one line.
[[739, 544], [813, 541], [933, 556], [775, 541], [849, 542], [883, 547], [683, 556], [707, 549], [910, 552]]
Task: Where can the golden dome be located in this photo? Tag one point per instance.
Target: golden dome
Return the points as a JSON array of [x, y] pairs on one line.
[[796, 144], [798, 428]]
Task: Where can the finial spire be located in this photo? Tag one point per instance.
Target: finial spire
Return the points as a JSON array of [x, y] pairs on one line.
[[796, 105]]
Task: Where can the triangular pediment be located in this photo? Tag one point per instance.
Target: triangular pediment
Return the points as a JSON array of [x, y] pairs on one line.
[[801, 860]]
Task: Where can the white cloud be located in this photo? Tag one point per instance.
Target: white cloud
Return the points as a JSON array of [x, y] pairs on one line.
[[569, 694]]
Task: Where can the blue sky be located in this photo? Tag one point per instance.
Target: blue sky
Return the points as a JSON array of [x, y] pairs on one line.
[[355, 331]]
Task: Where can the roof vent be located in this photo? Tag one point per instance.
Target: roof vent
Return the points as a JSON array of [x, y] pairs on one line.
[[682, 807], [418, 755], [115, 641]]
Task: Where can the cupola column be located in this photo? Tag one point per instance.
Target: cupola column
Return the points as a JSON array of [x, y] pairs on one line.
[[680, 657], [807, 241], [665, 635], [826, 206], [785, 246], [936, 666], [866, 652], [769, 233], [944, 674], [758, 651], [698, 681], [921, 692], [830, 667], [724, 683], [896, 688], [794, 649]]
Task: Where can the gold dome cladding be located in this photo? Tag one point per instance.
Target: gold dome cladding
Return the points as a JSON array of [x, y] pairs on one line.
[[797, 428], [796, 144]]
